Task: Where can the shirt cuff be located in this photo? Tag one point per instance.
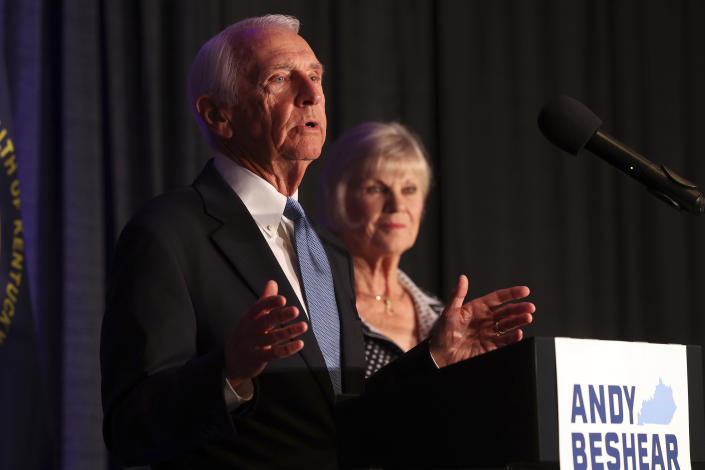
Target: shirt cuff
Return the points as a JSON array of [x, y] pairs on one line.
[[234, 397]]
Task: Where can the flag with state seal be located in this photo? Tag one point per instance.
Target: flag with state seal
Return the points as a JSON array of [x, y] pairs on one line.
[[23, 424]]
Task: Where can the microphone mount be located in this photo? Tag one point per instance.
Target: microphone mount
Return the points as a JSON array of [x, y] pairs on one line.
[[571, 126]]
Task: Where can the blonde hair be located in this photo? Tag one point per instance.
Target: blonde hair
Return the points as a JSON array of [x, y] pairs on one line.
[[364, 149]]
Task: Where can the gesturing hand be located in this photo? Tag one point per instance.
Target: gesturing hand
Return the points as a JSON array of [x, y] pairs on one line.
[[259, 337], [481, 325]]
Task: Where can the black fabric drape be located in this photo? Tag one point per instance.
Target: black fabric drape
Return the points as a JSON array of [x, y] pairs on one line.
[[102, 124]]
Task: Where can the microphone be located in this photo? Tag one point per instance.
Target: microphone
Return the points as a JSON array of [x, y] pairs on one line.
[[570, 125]]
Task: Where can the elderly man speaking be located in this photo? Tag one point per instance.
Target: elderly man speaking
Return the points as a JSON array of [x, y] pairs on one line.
[[230, 330]]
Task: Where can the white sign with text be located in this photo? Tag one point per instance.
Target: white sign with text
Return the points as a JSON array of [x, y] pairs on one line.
[[622, 405]]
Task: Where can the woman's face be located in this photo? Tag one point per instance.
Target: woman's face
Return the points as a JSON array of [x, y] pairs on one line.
[[384, 208]]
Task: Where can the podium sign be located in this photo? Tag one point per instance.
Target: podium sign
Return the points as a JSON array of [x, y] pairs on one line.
[[586, 404], [622, 405]]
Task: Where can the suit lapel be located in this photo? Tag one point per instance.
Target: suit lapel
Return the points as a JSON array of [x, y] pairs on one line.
[[242, 244]]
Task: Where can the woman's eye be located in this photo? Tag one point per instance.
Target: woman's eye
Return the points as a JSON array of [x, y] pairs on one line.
[[315, 79], [373, 189], [409, 190]]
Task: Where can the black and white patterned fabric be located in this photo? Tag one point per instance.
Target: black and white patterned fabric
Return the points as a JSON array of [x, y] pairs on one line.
[[379, 349]]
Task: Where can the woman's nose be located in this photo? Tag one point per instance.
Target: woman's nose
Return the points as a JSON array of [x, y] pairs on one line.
[[395, 201]]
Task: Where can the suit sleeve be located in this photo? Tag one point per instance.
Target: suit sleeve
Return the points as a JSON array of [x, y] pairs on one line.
[[160, 397]]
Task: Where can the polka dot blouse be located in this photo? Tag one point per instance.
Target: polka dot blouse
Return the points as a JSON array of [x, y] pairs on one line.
[[379, 349]]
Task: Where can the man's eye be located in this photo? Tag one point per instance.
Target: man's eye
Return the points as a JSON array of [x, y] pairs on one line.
[[373, 189], [279, 79], [315, 79], [409, 190]]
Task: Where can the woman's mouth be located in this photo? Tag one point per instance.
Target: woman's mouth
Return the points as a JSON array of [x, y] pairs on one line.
[[393, 226]]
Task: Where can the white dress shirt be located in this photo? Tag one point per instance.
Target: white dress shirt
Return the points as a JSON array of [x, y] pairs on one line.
[[266, 205]]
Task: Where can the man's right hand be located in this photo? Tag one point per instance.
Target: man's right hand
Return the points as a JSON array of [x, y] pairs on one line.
[[259, 337]]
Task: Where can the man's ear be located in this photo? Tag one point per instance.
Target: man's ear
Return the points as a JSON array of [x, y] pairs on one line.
[[216, 117]]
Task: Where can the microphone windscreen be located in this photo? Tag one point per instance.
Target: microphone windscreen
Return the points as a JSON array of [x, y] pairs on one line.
[[568, 123]]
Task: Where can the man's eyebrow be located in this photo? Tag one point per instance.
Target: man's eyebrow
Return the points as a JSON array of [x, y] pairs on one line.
[[290, 66]]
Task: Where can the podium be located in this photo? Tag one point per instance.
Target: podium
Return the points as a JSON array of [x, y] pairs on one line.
[[498, 410]]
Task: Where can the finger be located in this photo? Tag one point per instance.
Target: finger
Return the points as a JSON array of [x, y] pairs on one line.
[[509, 338], [279, 335], [513, 309], [276, 318], [510, 323], [270, 289], [265, 305], [502, 296], [461, 290], [285, 350]]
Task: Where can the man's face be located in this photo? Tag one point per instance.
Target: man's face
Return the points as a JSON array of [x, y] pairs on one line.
[[280, 111]]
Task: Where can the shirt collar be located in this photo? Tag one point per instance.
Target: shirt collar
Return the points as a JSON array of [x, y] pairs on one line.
[[263, 201]]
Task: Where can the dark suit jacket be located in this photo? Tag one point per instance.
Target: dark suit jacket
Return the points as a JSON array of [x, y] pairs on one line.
[[185, 269]]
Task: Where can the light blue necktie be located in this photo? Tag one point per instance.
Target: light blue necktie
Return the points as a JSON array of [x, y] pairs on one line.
[[318, 289]]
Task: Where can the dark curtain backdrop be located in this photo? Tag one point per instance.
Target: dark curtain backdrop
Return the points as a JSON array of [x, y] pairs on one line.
[[102, 124]]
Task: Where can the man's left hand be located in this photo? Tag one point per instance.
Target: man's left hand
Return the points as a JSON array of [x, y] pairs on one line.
[[480, 325]]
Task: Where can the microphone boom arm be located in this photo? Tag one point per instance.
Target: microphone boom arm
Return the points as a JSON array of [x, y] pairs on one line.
[[660, 180]]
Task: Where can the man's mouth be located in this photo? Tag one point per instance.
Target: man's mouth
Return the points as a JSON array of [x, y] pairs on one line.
[[311, 124]]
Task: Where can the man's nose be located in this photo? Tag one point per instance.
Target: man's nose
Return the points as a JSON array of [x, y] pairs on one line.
[[309, 93]]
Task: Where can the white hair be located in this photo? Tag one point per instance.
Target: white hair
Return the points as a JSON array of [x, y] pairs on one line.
[[217, 65], [366, 149]]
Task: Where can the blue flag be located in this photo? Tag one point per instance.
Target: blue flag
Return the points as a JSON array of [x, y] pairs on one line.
[[23, 421]]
